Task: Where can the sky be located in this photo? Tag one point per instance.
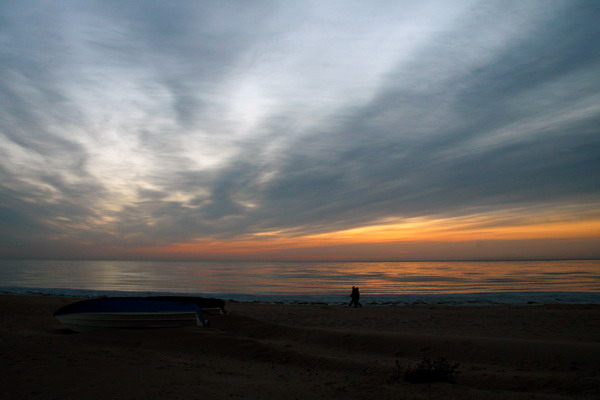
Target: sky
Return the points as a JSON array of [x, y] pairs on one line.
[[300, 130]]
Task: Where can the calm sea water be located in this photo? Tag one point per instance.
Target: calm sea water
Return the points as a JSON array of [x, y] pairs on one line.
[[380, 282]]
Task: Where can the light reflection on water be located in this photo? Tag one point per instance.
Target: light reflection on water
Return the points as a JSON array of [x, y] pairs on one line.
[[306, 277]]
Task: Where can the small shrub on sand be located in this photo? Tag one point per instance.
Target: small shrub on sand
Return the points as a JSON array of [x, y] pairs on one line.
[[396, 375], [426, 371]]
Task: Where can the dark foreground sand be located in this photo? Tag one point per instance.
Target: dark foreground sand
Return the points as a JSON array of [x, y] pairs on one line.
[[263, 351]]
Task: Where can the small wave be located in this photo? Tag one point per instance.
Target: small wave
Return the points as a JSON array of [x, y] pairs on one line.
[[457, 299]]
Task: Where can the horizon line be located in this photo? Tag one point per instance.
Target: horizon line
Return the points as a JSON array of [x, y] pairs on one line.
[[292, 261]]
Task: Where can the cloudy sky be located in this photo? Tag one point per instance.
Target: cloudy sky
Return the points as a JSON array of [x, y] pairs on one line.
[[300, 129]]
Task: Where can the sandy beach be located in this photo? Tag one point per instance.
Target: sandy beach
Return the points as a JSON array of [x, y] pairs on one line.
[[277, 351]]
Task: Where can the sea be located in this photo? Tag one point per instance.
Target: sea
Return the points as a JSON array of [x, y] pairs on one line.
[[315, 282]]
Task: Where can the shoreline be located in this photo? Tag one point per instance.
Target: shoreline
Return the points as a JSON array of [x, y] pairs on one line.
[[514, 298], [270, 351]]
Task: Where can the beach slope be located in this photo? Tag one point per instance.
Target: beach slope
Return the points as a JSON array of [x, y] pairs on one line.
[[275, 351]]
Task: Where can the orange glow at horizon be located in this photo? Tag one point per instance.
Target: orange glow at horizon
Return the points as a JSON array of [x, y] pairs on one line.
[[460, 229]]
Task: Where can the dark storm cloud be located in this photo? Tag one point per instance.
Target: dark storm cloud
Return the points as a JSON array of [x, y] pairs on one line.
[[148, 122]]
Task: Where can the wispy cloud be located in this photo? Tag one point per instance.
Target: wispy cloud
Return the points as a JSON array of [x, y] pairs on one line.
[[147, 123]]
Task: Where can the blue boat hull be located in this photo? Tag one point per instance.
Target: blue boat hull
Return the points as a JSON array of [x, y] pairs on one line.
[[130, 313]]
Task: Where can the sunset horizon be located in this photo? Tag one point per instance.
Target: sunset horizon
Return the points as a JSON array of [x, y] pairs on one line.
[[271, 131]]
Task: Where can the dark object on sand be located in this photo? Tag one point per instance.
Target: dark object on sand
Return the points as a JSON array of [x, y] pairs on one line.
[[429, 371], [133, 312], [205, 303]]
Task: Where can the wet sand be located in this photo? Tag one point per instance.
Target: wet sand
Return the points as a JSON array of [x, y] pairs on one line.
[[276, 351]]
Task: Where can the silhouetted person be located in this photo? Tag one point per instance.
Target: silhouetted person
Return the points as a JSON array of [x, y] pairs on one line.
[[355, 296]]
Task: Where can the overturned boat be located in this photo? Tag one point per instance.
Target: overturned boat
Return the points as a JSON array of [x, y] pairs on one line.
[[132, 313]]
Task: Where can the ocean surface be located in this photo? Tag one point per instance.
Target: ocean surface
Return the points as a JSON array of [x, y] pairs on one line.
[[383, 283]]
